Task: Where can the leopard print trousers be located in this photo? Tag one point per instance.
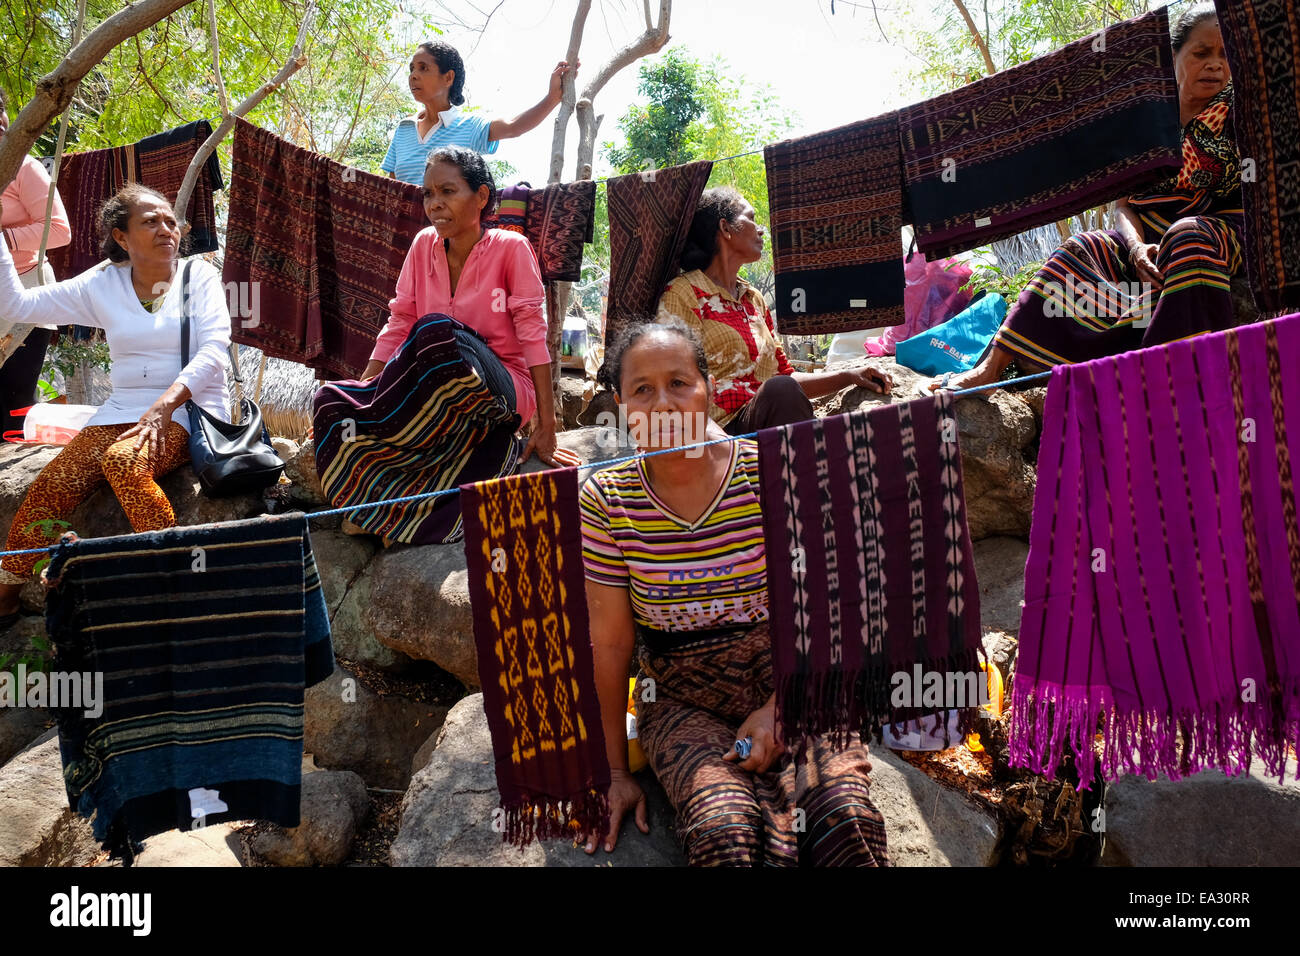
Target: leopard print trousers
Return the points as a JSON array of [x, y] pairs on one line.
[[94, 456]]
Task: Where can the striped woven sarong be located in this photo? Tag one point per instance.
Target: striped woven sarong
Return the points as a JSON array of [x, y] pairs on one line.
[[1162, 589], [837, 217], [1043, 140], [427, 422], [1262, 40], [523, 545], [870, 571], [206, 638]]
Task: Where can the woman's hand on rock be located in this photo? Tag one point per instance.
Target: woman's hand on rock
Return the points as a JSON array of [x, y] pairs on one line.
[[543, 440], [625, 795], [868, 376]]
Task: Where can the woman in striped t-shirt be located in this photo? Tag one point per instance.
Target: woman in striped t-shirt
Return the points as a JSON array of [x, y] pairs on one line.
[[674, 556]]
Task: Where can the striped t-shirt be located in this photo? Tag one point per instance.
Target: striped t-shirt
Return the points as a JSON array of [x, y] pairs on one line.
[[407, 152], [682, 576]]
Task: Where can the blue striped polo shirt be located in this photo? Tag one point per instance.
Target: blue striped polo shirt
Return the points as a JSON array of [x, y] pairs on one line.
[[407, 153]]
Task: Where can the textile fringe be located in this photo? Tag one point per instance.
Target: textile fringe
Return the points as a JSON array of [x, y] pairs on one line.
[[527, 821], [838, 704], [1045, 717]]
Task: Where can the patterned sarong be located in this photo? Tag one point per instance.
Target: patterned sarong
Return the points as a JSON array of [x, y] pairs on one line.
[[1043, 140], [870, 569], [324, 244], [427, 422], [837, 217], [206, 638], [1262, 39], [650, 214], [1162, 589], [558, 220], [523, 545], [87, 180]]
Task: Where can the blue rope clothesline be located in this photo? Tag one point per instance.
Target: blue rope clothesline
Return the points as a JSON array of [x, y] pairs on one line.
[[407, 499]]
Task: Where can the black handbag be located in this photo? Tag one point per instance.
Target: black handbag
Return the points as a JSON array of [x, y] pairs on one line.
[[228, 459]]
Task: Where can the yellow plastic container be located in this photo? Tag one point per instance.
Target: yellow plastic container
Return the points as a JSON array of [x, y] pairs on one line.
[[994, 709], [636, 759]]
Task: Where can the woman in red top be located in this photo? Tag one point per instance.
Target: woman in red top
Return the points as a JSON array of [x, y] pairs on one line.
[[756, 386]]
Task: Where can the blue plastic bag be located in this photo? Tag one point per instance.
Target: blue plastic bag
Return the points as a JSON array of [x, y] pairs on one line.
[[955, 345]]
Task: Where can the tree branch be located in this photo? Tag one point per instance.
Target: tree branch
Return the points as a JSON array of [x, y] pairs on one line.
[[54, 91], [216, 58], [297, 59], [978, 37], [568, 94]]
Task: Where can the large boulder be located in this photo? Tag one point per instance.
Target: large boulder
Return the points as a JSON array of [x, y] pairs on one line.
[[926, 823], [334, 806], [20, 726], [350, 727], [36, 826], [218, 844], [996, 431], [1000, 569], [447, 812], [304, 481], [1209, 819]]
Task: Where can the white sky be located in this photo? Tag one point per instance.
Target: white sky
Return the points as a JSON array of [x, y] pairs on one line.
[[831, 70]]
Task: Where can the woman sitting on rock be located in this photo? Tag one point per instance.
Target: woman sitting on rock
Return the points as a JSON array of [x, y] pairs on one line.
[[133, 439], [462, 360], [757, 386], [1176, 247], [674, 555]]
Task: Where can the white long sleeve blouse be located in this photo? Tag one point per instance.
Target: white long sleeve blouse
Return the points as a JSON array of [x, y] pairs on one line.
[[145, 346]]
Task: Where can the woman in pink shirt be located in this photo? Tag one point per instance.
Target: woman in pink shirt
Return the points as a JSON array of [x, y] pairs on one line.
[[23, 223], [462, 360]]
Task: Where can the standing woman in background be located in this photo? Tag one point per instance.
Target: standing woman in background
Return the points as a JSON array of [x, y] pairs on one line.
[[437, 81], [23, 224]]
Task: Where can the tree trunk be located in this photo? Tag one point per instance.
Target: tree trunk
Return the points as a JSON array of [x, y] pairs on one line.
[[54, 92]]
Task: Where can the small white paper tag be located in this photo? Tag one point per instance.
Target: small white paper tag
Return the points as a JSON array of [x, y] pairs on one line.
[[857, 303], [982, 221], [206, 803], [631, 726]]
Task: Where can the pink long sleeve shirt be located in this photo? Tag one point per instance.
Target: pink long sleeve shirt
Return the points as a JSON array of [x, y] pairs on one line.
[[24, 215], [499, 296]]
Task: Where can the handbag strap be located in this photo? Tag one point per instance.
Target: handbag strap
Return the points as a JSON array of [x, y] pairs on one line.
[[185, 326], [185, 313]]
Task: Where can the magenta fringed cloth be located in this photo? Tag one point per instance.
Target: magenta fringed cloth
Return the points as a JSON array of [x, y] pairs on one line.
[[1162, 589], [870, 570], [523, 545]]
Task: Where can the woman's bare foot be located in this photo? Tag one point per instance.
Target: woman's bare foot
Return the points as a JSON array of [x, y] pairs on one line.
[[9, 599]]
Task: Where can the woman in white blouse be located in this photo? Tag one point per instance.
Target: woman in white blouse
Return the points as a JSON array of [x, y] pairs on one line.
[[133, 438]]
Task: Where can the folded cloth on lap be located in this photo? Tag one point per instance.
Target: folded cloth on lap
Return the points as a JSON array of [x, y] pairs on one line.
[[206, 638]]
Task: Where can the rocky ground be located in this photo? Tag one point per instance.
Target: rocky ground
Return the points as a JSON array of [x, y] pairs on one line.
[[399, 769]]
